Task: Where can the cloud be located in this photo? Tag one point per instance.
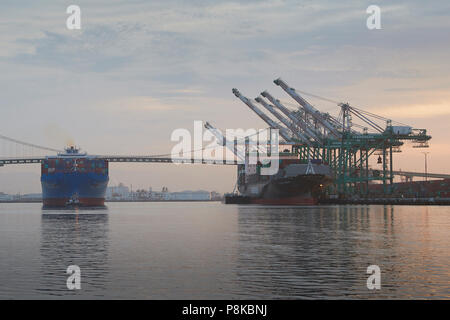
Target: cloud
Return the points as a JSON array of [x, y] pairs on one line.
[[103, 48], [195, 91], [127, 104], [420, 111], [86, 52]]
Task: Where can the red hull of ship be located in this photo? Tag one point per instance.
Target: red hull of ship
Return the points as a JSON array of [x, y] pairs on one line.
[[293, 201], [83, 202]]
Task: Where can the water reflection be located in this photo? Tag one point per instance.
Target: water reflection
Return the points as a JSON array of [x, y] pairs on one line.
[[74, 238], [201, 251], [324, 252]]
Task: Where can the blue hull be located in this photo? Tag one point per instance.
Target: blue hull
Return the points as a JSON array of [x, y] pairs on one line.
[[86, 188]]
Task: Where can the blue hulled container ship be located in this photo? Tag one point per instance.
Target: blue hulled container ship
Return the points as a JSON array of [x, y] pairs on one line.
[[74, 179]]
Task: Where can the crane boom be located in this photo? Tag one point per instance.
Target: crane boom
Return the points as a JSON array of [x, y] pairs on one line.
[[283, 131], [222, 140], [307, 107], [299, 122], [285, 121]]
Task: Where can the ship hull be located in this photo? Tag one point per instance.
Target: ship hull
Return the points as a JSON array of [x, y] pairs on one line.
[[285, 201], [298, 190], [301, 186], [82, 189], [65, 202], [74, 182]]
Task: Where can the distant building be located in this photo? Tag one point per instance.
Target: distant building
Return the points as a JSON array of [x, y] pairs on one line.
[[160, 195], [5, 197], [31, 196], [141, 194], [120, 192]]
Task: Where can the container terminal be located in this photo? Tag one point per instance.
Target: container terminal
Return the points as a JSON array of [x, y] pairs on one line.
[[325, 158], [322, 159]]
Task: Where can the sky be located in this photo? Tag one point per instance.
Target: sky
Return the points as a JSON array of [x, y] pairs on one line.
[[138, 70]]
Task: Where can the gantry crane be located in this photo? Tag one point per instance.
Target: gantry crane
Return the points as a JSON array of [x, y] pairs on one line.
[[338, 141]]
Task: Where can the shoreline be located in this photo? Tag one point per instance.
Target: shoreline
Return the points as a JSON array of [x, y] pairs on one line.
[[40, 201], [425, 202]]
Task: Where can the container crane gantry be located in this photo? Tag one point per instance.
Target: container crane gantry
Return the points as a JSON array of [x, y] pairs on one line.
[[336, 140]]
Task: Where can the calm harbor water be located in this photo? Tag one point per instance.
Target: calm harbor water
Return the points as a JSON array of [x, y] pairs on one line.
[[215, 251]]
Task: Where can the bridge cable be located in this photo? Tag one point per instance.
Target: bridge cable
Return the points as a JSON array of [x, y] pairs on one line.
[[28, 144]]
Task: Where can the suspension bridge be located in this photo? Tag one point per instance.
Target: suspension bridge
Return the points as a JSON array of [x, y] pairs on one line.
[[27, 153]]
